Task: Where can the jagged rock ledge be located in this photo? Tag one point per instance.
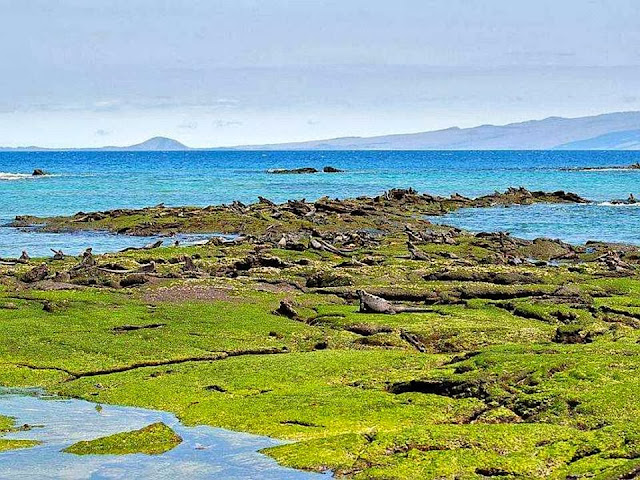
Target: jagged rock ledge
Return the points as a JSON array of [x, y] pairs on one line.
[[633, 166]]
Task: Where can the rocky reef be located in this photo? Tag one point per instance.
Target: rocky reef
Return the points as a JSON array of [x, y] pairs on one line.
[[380, 212]]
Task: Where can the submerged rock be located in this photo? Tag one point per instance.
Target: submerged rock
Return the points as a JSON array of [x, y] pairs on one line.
[[631, 200]]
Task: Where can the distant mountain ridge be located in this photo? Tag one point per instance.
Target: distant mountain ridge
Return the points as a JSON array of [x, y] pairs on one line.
[[611, 131], [615, 131], [155, 144], [626, 140]]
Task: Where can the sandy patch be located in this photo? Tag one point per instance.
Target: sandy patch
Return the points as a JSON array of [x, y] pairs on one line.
[[182, 293]]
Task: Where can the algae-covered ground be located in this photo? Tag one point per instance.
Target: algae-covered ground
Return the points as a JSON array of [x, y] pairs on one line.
[[494, 357], [153, 439], [7, 425]]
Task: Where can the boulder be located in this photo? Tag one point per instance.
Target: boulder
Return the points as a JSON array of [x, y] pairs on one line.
[[133, 280], [286, 310], [328, 279], [36, 274]]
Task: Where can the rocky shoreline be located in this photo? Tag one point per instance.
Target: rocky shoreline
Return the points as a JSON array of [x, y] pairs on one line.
[[381, 345], [240, 218], [633, 166], [303, 170]]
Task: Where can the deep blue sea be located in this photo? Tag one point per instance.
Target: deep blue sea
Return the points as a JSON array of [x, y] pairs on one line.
[[86, 181]]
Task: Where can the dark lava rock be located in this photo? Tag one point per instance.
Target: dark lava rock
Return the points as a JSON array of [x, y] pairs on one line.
[[133, 280], [328, 279], [368, 329], [293, 170], [286, 310], [572, 334], [51, 307], [36, 274], [330, 169], [215, 388], [498, 278], [38, 172]]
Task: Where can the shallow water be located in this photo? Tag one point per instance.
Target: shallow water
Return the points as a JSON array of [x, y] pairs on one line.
[[205, 452], [90, 181], [39, 244], [575, 224]]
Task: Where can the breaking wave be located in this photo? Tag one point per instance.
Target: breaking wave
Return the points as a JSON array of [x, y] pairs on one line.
[[14, 176], [616, 204], [601, 169], [7, 176]]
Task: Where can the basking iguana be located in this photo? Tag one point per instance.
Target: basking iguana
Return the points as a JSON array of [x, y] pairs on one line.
[[373, 304]]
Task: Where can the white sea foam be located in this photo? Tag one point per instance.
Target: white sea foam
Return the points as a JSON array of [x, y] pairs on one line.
[[14, 176], [610, 204], [7, 176], [602, 169]]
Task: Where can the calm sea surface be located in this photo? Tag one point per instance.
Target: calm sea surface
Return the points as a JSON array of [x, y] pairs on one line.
[[205, 453], [101, 180]]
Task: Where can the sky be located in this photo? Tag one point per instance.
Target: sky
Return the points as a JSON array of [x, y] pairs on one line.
[[232, 72]]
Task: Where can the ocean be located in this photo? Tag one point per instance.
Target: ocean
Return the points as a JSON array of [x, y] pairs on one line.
[[88, 181]]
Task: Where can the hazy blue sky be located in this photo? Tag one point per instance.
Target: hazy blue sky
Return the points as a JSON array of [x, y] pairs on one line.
[[224, 72]]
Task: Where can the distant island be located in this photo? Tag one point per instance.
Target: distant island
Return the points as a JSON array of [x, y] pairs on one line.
[[155, 144], [612, 131]]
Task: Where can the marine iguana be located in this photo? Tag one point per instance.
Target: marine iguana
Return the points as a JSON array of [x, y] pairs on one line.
[[373, 304]]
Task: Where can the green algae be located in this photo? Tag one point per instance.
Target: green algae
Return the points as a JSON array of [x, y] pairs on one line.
[[7, 425], [6, 445], [526, 369], [153, 439]]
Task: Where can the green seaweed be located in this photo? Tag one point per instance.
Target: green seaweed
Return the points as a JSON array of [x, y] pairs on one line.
[[7, 425], [153, 439]]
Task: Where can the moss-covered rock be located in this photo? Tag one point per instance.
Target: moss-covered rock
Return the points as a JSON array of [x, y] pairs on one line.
[[154, 439]]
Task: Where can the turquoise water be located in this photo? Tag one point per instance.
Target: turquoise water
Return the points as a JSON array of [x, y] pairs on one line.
[[101, 180], [205, 452], [575, 224]]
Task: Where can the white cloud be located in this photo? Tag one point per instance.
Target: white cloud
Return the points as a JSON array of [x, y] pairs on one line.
[[226, 123]]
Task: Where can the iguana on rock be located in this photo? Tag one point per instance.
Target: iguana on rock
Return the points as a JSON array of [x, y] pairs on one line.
[[373, 304], [319, 244], [415, 253], [286, 310], [58, 254]]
